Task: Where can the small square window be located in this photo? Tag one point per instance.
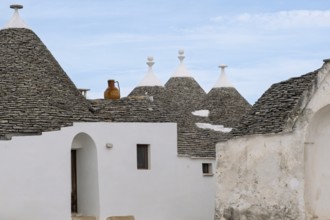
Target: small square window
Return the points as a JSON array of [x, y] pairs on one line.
[[207, 168], [142, 156]]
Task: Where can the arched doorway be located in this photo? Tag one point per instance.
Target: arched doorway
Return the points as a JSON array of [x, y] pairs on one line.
[[84, 176], [317, 166]]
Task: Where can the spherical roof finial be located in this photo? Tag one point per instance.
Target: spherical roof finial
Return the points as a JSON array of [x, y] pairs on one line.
[[150, 61], [181, 55]]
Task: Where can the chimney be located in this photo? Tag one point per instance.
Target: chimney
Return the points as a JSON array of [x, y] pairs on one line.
[[84, 92]]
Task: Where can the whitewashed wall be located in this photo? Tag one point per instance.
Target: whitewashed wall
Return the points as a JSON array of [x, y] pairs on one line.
[[279, 176], [261, 177], [36, 179]]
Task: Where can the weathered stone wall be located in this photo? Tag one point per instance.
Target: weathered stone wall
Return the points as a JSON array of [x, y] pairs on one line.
[[260, 178]]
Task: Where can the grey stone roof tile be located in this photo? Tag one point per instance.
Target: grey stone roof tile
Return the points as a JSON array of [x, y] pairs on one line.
[[130, 109], [226, 106], [36, 95], [277, 109]]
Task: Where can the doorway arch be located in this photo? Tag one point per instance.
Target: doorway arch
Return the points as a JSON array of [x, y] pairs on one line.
[[84, 158], [317, 166]]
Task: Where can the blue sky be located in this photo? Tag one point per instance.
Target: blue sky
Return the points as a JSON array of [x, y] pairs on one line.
[[262, 42]]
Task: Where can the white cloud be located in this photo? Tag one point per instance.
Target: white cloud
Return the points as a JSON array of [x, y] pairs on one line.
[[279, 20]]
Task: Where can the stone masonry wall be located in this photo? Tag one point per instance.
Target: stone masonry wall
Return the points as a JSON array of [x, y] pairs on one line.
[[260, 177]]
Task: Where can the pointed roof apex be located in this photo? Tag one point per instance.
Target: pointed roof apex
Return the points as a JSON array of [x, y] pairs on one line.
[[223, 80], [181, 71], [16, 21], [150, 79]]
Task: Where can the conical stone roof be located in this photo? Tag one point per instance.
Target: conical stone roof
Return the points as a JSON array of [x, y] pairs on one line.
[[226, 106], [185, 93], [36, 95]]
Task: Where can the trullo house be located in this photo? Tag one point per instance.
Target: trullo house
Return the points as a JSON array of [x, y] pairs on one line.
[[150, 155]]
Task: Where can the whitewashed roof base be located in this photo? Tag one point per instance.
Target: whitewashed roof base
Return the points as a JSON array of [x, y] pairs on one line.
[[16, 21], [223, 80], [181, 71], [201, 113], [150, 79], [220, 128]]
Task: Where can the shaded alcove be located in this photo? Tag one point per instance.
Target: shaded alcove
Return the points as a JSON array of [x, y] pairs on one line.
[[88, 202]]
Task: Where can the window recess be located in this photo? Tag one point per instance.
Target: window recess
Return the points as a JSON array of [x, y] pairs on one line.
[[143, 156]]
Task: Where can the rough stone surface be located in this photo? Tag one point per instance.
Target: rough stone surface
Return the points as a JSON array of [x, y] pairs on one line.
[[278, 108], [183, 95], [36, 95], [226, 106], [260, 178], [130, 109]]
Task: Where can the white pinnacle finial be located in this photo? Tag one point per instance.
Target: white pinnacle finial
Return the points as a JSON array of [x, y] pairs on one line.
[[150, 79], [181, 70], [181, 55], [16, 21], [223, 67], [223, 80], [150, 62]]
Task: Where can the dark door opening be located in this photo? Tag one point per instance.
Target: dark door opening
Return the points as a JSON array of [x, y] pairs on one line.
[[74, 194]]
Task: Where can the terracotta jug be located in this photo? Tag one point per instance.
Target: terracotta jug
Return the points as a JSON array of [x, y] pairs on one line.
[[112, 92]]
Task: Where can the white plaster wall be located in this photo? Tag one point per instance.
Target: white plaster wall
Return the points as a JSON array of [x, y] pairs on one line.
[[34, 177], [36, 182], [173, 188]]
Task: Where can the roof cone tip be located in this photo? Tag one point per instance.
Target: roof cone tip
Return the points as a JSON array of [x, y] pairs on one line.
[[181, 70], [223, 80], [181, 55], [150, 62], [16, 21], [150, 79]]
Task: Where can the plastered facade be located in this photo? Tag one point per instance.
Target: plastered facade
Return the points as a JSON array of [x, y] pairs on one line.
[[36, 179], [280, 176]]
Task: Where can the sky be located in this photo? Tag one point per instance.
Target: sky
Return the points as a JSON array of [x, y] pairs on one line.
[[262, 41]]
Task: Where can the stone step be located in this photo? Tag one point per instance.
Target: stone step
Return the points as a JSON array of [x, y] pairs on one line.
[[83, 218], [129, 217]]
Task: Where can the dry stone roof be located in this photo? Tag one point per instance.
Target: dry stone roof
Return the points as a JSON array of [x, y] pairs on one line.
[[185, 93], [278, 108], [194, 141], [157, 92], [130, 109], [36, 95], [226, 106]]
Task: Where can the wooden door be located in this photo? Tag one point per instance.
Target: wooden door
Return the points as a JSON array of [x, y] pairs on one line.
[[74, 201]]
